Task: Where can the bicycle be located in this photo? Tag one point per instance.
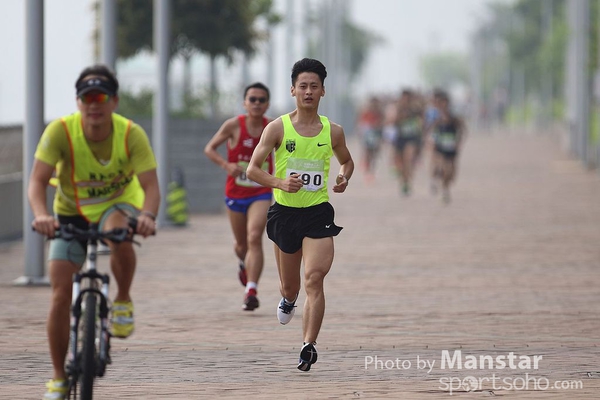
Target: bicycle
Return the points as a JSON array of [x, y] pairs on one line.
[[89, 342]]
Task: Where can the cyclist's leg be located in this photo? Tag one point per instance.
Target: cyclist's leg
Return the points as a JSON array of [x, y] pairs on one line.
[[257, 220], [122, 255], [65, 259]]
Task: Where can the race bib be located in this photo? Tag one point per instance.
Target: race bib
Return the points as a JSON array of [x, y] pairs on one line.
[[311, 172], [446, 142], [243, 180], [410, 128]]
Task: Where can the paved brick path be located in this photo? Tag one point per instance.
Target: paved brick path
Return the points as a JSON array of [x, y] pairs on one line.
[[512, 265]]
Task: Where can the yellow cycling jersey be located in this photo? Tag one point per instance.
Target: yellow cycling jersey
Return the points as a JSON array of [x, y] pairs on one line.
[[92, 176], [309, 157]]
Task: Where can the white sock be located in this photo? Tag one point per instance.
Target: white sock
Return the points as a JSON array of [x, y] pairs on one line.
[[291, 301], [251, 285]]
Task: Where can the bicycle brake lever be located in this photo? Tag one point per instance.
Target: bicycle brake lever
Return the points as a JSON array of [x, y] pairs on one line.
[[133, 224]]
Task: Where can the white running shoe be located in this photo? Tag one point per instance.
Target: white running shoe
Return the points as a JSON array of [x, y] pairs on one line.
[[285, 311]]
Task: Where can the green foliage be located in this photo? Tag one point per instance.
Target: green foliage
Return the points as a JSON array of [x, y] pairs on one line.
[[194, 105], [531, 48], [264, 9], [134, 105], [522, 43], [134, 27], [217, 28], [444, 69], [358, 42], [141, 104], [213, 27]]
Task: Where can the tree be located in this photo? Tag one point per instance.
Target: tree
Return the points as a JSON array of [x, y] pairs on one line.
[[136, 105], [358, 42], [217, 28], [134, 27], [444, 69]]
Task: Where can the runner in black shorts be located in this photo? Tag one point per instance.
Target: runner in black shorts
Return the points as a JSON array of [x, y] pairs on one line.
[[288, 226], [409, 122], [448, 136], [301, 220]]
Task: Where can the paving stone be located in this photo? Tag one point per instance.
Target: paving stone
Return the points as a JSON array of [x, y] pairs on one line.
[[511, 266]]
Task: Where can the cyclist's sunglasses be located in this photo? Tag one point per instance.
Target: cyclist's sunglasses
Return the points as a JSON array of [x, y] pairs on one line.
[[89, 98], [261, 100]]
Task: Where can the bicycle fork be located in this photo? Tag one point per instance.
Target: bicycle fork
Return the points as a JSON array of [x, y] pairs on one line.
[[76, 313]]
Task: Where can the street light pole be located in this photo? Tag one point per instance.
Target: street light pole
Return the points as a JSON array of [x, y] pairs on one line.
[[108, 34], [34, 126], [160, 120]]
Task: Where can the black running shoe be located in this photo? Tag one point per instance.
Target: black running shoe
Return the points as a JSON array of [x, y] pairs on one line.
[[308, 356], [250, 301]]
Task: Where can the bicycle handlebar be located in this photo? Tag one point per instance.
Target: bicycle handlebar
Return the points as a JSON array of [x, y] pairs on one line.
[[117, 235]]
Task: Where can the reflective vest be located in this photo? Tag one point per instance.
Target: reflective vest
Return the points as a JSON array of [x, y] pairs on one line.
[[98, 186]]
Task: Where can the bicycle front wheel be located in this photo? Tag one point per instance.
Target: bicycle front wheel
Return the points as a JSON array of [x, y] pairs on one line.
[[88, 359]]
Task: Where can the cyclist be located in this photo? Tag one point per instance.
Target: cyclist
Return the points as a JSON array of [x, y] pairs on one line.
[[301, 220], [247, 202], [105, 169]]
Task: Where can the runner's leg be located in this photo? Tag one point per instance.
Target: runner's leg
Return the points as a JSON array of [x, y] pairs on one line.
[[318, 258]]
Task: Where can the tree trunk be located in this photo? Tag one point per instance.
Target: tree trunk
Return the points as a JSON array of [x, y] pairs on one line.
[[187, 78], [214, 111]]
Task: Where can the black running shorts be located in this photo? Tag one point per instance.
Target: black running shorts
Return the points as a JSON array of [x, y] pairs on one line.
[[448, 155], [401, 142], [288, 226]]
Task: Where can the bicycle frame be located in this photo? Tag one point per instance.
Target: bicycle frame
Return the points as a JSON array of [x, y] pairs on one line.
[[88, 359], [89, 282]]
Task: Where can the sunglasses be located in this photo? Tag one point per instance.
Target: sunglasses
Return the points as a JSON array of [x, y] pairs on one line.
[[261, 100], [90, 98]]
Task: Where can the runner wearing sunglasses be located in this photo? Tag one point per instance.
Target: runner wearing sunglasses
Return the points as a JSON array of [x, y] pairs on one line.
[[247, 202], [105, 169]]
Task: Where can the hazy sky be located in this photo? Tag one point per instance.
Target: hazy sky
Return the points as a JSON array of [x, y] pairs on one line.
[[410, 28]]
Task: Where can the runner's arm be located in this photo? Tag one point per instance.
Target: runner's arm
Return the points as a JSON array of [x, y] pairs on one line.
[[226, 132], [342, 154], [269, 140]]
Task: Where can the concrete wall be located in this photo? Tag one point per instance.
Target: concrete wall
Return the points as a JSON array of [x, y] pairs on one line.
[[204, 181], [11, 206], [11, 149]]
